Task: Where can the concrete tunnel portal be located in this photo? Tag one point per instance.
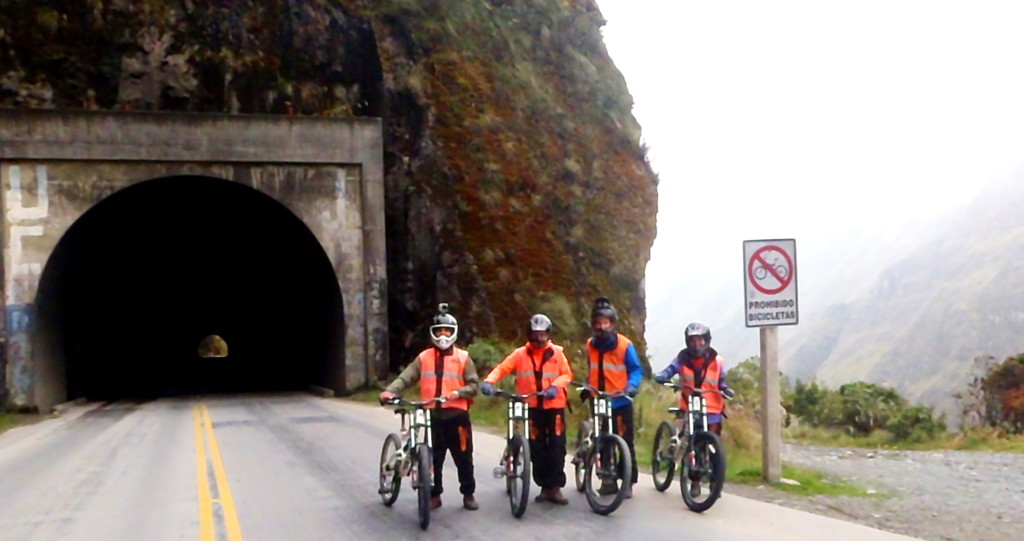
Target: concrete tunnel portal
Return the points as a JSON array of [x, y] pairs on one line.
[[143, 277]]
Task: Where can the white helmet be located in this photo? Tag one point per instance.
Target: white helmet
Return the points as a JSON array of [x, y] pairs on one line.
[[444, 320], [540, 322]]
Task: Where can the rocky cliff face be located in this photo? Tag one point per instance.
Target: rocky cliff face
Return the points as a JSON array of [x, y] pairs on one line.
[[515, 178]]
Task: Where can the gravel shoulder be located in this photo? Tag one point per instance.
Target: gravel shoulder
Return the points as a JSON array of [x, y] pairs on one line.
[[933, 495]]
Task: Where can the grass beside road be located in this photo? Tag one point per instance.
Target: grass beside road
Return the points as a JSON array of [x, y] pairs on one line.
[[977, 439], [985, 439], [12, 420], [368, 396], [811, 483]]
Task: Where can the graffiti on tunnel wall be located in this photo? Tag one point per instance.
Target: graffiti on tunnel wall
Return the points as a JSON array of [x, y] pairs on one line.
[[24, 268], [19, 365]]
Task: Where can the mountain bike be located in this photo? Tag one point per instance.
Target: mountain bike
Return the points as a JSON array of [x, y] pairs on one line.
[[601, 454], [409, 454], [515, 461], [698, 450]]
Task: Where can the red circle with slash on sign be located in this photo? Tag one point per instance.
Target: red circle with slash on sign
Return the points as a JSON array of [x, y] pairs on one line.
[[764, 274]]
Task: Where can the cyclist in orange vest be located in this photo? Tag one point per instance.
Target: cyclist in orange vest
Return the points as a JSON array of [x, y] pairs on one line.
[[445, 371], [700, 367], [541, 365], [614, 366]]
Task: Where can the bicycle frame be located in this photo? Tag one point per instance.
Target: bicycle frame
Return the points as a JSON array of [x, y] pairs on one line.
[[418, 431], [518, 414], [600, 415], [414, 431], [602, 458], [409, 455], [697, 413], [697, 409], [689, 445], [695, 420]]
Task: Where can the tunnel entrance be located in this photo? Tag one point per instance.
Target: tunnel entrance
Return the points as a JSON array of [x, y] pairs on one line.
[[147, 274]]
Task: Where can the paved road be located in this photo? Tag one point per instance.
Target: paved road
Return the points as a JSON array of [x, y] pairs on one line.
[[295, 467]]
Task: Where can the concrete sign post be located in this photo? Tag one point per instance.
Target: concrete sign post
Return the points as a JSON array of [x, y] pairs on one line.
[[770, 300]]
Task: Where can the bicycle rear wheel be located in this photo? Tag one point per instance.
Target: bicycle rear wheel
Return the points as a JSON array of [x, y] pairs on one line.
[[423, 484], [581, 471], [517, 476], [579, 460], [703, 473], [663, 460], [390, 470], [609, 467]]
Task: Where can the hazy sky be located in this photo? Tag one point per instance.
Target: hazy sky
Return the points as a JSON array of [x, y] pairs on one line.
[[804, 119]]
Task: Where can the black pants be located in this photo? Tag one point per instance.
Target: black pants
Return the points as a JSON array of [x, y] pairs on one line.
[[453, 434], [547, 446], [623, 417]]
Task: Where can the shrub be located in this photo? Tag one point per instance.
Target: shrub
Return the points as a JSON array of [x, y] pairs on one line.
[[866, 406], [1004, 392], [487, 353], [916, 424]]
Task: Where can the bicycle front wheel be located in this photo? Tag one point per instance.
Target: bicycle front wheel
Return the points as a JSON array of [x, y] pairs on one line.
[[609, 471], [517, 475], [423, 484], [663, 460], [703, 474], [390, 470]]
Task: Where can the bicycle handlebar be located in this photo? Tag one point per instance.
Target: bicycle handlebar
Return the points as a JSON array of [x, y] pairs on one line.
[[515, 397], [399, 401], [679, 387], [581, 386]]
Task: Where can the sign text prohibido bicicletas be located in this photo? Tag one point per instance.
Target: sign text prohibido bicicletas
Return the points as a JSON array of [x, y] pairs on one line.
[[769, 270]]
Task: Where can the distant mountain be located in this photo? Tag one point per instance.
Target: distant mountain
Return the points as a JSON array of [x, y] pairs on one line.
[[957, 292], [832, 270], [910, 307]]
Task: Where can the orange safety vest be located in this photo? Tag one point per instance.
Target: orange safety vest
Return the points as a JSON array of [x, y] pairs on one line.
[[714, 401], [449, 374], [553, 369], [612, 364]]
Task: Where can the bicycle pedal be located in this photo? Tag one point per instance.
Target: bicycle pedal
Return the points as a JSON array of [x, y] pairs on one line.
[[383, 491], [498, 472]]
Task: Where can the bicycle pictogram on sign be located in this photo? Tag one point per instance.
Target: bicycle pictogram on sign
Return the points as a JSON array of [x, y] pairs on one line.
[[770, 269]]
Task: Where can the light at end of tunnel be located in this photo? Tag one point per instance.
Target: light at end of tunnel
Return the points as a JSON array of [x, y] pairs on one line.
[[213, 346]]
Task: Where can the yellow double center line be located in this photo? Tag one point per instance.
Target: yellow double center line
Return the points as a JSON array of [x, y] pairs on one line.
[[205, 462]]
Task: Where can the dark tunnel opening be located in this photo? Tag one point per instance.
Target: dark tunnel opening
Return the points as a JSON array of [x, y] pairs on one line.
[[141, 279]]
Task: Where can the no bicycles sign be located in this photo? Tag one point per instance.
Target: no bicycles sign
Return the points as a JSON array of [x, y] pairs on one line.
[[769, 270]]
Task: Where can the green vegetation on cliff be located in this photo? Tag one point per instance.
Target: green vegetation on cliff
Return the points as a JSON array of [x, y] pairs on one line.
[[538, 153]]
